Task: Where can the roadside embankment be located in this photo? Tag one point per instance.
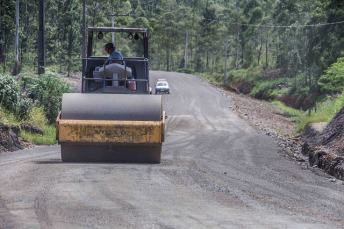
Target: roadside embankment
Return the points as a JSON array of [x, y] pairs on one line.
[[320, 146], [325, 149]]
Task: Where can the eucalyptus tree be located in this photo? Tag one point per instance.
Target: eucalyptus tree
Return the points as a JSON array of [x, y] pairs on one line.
[[251, 14], [136, 43], [28, 31], [208, 36], [325, 42], [283, 16], [73, 35], [1, 49], [139, 12], [186, 32], [64, 42], [192, 28], [7, 30], [267, 35], [166, 37], [256, 32]]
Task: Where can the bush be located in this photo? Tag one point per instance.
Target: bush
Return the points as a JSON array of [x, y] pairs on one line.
[[185, 70], [333, 80], [268, 89], [48, 90], [248, 75], [14, 98]]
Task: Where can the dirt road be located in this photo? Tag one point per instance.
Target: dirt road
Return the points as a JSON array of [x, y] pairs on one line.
[[216, 172]]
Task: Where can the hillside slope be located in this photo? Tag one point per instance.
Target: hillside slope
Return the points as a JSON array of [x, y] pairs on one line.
[[326, 149]]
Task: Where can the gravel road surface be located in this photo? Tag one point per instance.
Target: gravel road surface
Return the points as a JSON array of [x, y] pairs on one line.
[[216, 172]]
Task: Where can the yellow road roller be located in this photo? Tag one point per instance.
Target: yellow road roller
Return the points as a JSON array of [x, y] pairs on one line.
[[114, 118]]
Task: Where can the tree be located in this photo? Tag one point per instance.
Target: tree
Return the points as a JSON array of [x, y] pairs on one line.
[[16, 60], [1, 42], [333, 80]]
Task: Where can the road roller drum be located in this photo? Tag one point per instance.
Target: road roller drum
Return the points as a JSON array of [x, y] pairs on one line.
[[111, 127]]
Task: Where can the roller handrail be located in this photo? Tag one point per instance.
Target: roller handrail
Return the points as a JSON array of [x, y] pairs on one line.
[[138, 80], [125, 59]]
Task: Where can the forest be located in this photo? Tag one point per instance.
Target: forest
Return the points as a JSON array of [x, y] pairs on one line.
[[297, 37], [283, 49]]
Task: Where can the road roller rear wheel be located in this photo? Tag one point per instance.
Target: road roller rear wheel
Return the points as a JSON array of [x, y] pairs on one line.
[[111, 154]]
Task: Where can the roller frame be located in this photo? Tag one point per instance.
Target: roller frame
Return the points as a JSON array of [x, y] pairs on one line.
[[106, 124]]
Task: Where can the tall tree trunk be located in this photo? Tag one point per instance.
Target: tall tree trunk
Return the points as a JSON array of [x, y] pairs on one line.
[[196, 56], [1, 41], [207, 63], [305, 62], [159, 57], [237, 46], [41, 38], [261, 45], [226, 57], [167, 58], [266, 48], [186, 51], [70, 48], [191, 53], [16, 61], [242, 53], [171, 55], [26, 30]]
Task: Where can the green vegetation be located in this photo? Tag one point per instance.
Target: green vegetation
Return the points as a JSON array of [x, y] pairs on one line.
[[185, 70], [214, 78], [48, 90], [32, 100], [271, 34], [48, 138], [322, 112], [38, 119], [250, 75], [333, 80], [8, 118], [293, 114], [13, 97]]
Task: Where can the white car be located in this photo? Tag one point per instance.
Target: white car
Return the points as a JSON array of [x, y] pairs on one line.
[[162, 86]]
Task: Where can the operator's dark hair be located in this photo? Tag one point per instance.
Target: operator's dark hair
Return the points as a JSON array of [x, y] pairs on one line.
[[109, 46]]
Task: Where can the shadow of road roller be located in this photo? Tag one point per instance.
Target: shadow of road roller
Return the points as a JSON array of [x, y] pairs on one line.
[[111, 128]]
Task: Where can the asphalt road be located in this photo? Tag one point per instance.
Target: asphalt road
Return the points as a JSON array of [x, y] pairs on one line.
[[216, 172]]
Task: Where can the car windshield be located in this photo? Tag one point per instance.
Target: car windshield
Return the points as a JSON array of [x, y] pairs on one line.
[[161, 84]]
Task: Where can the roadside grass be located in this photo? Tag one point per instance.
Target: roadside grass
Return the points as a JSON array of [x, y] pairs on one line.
[[48, 137], [185, 70], [36, 119], [213, 78], [294, 114], [8, 118], [252, 75], [39, 120], [323, 112]]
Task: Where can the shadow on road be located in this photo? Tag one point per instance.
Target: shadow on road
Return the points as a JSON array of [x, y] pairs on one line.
[[59, 161], [51, 161]]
